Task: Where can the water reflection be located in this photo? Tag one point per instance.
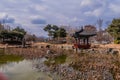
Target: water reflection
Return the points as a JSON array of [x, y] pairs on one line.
[[23, 70]]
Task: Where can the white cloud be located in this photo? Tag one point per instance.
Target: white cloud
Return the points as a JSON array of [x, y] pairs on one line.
[[96, 12], [73, 12], [86, 2], [39, 7], [75, 19], [3, 14], [36, 16], [115, 8]]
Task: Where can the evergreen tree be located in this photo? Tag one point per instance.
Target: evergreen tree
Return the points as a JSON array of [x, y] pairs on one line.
[[114, 30]]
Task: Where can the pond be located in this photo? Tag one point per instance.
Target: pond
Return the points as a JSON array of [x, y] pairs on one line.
[[18, 68], [23, 70]]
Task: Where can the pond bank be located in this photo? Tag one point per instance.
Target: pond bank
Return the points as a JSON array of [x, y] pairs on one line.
[[86, 64]]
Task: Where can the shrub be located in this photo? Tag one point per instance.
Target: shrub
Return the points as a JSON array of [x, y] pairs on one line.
[[117, 41]]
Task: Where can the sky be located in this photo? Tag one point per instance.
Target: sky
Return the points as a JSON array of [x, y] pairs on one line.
[[33, 15]]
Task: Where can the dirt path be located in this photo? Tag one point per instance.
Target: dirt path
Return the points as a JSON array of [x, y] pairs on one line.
[[116, 46]]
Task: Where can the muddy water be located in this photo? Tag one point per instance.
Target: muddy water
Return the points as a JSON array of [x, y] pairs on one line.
[[23, 70]]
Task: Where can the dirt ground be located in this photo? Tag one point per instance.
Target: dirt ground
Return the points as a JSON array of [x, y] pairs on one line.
[[101, 45], [116, 46]]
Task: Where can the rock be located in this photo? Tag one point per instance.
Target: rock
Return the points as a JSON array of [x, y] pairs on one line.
[[109, 50], [114, 52], [48, 51], [52, 62], [47, 46]]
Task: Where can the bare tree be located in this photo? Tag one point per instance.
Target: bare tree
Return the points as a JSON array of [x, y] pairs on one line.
[[1, 27], [90, 28], [70, 30], [100, 33], [100, 23]]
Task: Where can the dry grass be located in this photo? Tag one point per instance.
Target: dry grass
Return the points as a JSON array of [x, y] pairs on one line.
[[98, 62], [27, 53]]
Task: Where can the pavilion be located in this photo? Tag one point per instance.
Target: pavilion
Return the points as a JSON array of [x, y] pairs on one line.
[[82, 38]]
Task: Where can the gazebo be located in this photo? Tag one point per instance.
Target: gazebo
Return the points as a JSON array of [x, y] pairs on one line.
[[82, 38]]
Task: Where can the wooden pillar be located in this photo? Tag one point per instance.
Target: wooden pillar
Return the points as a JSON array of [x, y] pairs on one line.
[[84, 41], [76, 40], [79, 41], [87, 41], [23, 43]]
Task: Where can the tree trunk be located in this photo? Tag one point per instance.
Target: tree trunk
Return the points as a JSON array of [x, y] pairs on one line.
[[23, 43]]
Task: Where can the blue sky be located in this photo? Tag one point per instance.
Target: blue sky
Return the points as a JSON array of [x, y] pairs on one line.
[[34, 14]]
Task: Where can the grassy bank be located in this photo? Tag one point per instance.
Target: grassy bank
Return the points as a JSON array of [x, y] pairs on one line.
[[9, 58]]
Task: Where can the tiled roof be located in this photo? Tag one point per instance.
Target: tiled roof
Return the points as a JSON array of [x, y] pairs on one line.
[[84, 33], [87, 33]]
